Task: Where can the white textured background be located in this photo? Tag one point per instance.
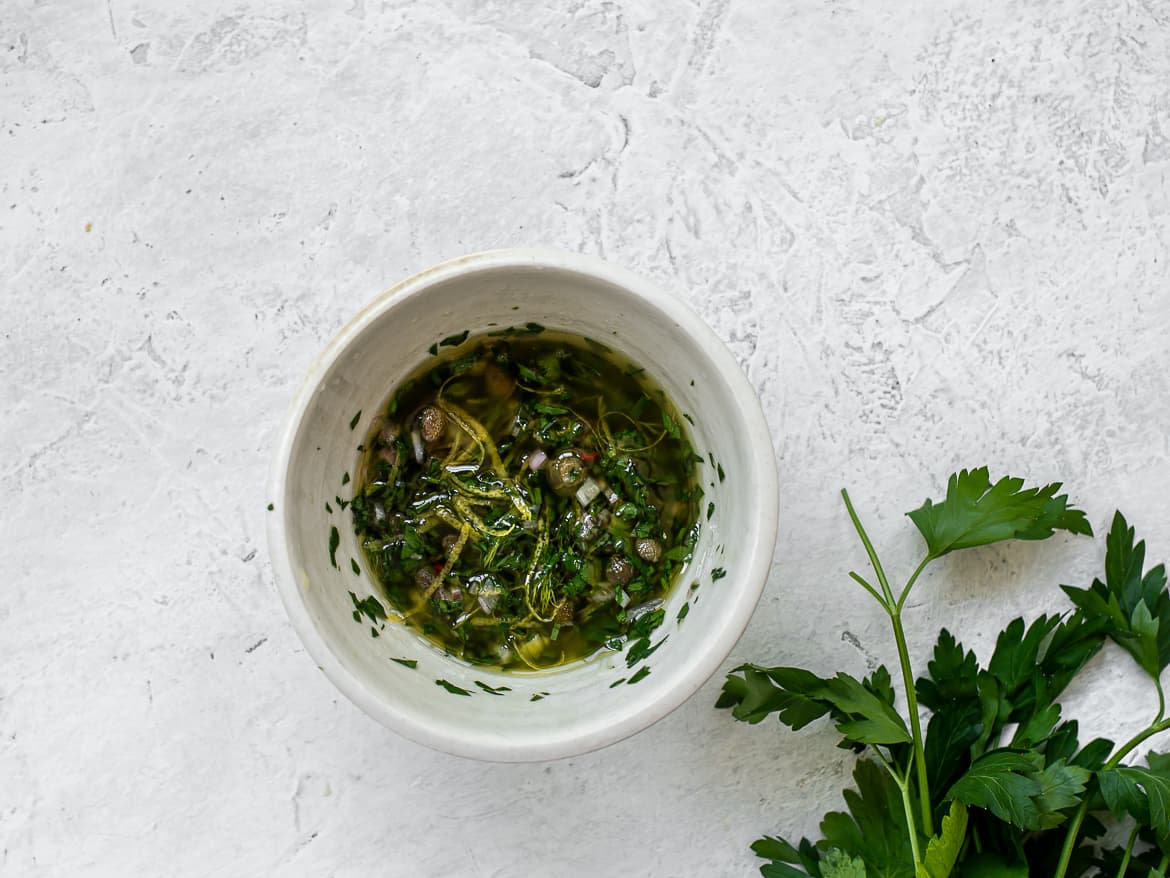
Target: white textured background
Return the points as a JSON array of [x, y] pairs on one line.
[[936, 234]]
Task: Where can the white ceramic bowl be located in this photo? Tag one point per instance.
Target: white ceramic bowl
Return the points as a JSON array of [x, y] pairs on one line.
[[578, 707]]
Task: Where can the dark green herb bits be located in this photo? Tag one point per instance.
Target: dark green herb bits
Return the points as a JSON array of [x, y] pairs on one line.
[[492, 690], [527, 499], [452, 688]]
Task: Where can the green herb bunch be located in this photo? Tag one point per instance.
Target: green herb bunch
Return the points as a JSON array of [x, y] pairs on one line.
[[997, 783]]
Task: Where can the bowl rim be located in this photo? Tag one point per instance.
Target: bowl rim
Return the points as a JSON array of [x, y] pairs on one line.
[[576, 740]]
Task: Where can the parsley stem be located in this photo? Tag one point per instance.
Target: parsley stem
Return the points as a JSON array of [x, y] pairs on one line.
[[913, 579], [1121, 870], [907, 806], [915, 723], [894, 610], [1158, 726], [869, 550], [873, 591], [911, 829]]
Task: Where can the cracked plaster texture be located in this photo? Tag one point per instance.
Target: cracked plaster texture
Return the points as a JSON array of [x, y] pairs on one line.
[[935, 234]]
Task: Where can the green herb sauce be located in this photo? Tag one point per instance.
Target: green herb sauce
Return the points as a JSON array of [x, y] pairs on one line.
[[526, 499]]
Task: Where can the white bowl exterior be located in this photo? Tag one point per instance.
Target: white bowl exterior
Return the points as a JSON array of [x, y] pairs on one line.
[[579, 708]]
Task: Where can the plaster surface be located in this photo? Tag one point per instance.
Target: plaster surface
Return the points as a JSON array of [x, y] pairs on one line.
[[934, 233]]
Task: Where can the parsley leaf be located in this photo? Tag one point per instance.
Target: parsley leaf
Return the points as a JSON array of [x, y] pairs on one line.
[[1002, 783], [1061, 787], [370, 607], [334, 542], [781, 853], [1007, 811], [952, 674], [492, 690], [642, 673], [951, 734], [1141, 793], [942, 851], [1134, 607], [874, 829], [798, 697], [641, 649], [1017, 787], [671, 426], [838, 864], [977, 513]]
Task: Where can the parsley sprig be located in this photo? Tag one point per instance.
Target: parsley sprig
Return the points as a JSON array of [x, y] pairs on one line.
[[1005, 780]]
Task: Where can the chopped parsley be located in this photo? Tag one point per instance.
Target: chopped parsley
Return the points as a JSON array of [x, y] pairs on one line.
[[334, 542], [453, 341], [492, 690], [370, 607]]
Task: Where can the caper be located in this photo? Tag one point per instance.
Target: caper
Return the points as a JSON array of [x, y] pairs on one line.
[[649, 550], [619, 571], [563, 615], [566, 471], [432, 423], [588, 527]]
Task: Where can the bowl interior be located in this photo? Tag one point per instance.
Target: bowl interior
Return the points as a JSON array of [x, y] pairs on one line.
[[538, 715]]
